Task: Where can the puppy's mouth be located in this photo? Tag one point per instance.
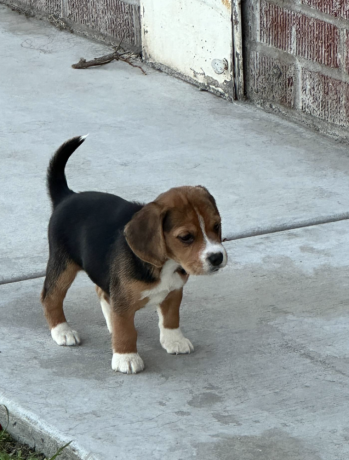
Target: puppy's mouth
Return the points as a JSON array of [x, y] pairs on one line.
[[211, 271], [215, 269]]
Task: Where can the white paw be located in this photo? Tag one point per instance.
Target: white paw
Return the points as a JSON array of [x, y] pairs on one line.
[[127, 363], [63, 334], [174, 342]]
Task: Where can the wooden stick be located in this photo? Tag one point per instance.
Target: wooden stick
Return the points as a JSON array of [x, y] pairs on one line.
[[133, 65], [115, 56], [83, 64]]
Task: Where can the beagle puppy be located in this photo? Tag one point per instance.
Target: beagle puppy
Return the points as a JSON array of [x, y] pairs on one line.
[[137, 255]]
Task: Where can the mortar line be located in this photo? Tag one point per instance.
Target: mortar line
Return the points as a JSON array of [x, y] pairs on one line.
[[284, 228]]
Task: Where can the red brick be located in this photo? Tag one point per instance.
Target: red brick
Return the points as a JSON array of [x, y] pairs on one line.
[[271, 80], [276, 26], [324, 97], [336, 8], [48, 6], [44, 6], [317, 41], [110, 17], [299, 34]]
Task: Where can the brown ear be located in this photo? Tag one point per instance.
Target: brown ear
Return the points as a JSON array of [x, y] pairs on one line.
[[144, 235], [209, 196]]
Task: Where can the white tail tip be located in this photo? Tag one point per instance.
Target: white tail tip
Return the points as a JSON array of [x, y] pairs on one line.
[[82, 138]]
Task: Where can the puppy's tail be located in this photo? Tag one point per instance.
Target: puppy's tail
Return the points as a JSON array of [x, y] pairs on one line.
[[56, 181]]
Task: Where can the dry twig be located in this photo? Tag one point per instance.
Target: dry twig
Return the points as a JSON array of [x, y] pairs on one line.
[[115, 56]]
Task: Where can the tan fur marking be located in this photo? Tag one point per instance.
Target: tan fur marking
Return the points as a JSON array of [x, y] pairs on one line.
[[170, 309], [53, 300], [124, 339], [124, 305], [128, 295]]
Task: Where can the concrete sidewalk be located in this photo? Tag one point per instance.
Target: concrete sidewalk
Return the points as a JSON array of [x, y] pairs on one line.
[[268, 379], [269, 376]]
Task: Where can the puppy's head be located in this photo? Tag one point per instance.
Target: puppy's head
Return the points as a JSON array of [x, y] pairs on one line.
[[182, 224]]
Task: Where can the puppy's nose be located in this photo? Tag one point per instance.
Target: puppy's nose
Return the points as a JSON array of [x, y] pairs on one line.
[[216, 258]]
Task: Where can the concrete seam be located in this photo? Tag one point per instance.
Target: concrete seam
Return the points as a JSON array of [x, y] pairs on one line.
[[298, 85], [64, 9], [283, 227], [22, 278], [258, 232], [342, 52], [257, 17]]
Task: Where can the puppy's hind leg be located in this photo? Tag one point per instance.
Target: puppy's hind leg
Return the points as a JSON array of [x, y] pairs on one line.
[[59, 276], [105, 304]]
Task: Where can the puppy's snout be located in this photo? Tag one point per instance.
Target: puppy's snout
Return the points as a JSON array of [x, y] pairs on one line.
[[215, 259]]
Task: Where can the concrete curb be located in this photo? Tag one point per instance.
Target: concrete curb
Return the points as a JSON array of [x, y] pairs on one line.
[[25, 427]]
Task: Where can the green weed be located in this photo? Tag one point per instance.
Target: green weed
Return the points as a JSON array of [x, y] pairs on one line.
[[11, 450]]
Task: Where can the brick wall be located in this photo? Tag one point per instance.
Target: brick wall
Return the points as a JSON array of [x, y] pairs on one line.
[[297, 60], [109, 20]]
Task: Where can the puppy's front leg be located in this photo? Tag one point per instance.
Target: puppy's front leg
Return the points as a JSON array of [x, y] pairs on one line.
[[124, 341], [171, 337]]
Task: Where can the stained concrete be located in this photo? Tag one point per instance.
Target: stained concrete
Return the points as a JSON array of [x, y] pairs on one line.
[[269, 375], [147, 133], [269, 378]]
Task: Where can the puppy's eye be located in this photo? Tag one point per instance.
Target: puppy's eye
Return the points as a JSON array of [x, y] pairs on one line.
[[217, 227], [187, 238]]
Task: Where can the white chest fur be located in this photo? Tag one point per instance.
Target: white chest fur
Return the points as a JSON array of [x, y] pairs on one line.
[[170, 280]]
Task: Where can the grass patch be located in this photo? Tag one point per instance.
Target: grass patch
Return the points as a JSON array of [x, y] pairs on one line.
[[13, 450]]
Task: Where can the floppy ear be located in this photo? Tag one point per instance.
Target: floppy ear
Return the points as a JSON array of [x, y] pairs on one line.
[[144, 235]]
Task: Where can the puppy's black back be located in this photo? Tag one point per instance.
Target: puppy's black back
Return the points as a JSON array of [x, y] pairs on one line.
[[86, 228]]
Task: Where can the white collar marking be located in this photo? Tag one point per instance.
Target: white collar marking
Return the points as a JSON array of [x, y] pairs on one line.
[[170, 280]]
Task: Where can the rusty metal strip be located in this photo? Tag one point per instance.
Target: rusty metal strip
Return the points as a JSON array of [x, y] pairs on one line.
[[237, 50]]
